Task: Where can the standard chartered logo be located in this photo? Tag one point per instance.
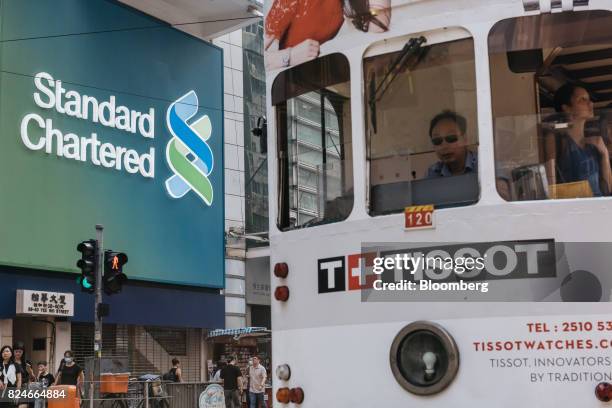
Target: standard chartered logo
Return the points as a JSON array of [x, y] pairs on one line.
[[189, 156]]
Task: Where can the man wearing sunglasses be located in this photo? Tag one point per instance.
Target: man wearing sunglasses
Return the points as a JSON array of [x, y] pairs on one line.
[[447, 134]]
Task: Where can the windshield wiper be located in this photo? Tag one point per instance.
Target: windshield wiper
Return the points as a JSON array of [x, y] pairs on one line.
[[375, 93]]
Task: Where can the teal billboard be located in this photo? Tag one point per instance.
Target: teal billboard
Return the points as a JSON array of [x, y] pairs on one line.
[[108, 116]]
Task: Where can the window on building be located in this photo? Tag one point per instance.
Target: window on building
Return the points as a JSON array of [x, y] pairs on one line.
[[313, 122], [551, 93], [421, 126], [256, 165]]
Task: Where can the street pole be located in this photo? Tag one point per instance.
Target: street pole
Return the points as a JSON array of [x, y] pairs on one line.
[[93, 391]]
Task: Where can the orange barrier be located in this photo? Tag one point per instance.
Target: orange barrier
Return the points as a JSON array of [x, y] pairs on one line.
[[114, 383], [69, 398]]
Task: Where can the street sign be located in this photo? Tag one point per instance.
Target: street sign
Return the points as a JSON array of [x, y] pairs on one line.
[[42, 303]]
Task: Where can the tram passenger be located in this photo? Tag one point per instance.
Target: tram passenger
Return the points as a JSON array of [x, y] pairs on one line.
[[447, 134], [295, 29], [570, 155]]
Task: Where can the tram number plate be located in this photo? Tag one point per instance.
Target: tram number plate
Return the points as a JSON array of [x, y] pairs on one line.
[[418, 216]]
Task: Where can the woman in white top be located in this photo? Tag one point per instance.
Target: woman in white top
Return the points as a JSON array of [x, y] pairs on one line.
[[10, 375]]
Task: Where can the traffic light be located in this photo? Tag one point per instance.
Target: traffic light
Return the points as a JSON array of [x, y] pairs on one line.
[[113, 271], [87, 265], [261, 130]]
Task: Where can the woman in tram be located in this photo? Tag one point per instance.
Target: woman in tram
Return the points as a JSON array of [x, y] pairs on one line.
[[573, 155]]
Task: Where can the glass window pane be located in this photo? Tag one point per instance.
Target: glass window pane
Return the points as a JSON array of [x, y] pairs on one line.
[[551, 105], [313, 123], [421, 127]]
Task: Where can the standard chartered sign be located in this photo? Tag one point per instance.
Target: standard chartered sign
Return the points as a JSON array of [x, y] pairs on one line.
[[188, 155], [189, 139], [38, 133]]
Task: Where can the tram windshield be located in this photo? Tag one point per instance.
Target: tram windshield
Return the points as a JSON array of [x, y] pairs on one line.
[[313, 122], [551, 84], [421, 126]]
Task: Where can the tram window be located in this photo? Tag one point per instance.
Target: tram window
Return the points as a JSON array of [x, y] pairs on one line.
[[313, 127], [421, 127], [551, 97]]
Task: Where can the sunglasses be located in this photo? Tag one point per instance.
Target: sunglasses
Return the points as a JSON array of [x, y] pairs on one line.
[[437, 141]]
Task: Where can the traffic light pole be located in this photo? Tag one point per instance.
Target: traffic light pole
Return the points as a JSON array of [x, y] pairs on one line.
[[93, 390]]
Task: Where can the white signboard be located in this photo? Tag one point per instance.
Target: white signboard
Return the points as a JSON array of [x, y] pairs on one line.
[[258, 281], [212, 397], [42, 303]]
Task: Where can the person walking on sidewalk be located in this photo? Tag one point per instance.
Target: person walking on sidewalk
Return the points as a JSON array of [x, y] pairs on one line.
[[70, 373], [257, 376], [175, 374], [232, 384], [10, 376], [44, 376]]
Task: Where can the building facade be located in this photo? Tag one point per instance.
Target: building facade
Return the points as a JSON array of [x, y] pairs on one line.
[[77, 91]]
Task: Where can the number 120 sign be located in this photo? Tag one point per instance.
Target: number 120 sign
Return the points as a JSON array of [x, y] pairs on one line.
[[418, 216]]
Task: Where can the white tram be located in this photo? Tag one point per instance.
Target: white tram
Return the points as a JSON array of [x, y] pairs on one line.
[[353, 140]]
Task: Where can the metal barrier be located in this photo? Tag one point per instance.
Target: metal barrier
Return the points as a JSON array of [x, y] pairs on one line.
[[147, 391], [184, 395], [143, 392]]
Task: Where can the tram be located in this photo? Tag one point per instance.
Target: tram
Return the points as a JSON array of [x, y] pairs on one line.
[[440, 129]]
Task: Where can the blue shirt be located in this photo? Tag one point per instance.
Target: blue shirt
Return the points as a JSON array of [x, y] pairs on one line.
[[576, 164], [440, 169]]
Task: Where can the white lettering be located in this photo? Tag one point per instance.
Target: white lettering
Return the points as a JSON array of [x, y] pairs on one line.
[[148, 160], [330, 267], [71, 146], [107, 155], [24, 131], [73, 104], [130, 161], [41, 87], [51, 94], [532, 255], [146, 124]]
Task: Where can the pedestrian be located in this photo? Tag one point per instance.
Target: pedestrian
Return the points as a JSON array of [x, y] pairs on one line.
[[24, 367], [232, 384], [10, 376], [44, 376], [70, 373], [175, 374], [257, 387], [217, 376]]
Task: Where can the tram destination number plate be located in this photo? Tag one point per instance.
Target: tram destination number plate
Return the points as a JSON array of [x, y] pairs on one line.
[[419, 216]]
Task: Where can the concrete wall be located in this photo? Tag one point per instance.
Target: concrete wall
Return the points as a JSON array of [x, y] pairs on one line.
[[6, 332], [235, 306], [62, 343]]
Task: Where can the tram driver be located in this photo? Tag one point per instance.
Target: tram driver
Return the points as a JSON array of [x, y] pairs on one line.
[[447, 134]]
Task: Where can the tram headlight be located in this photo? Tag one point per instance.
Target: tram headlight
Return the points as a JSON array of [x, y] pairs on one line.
[[282, 395], [296, 395], [281, 293], [603, 391], [424, 358], [430, 360], [283, 372], [281, 270]]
